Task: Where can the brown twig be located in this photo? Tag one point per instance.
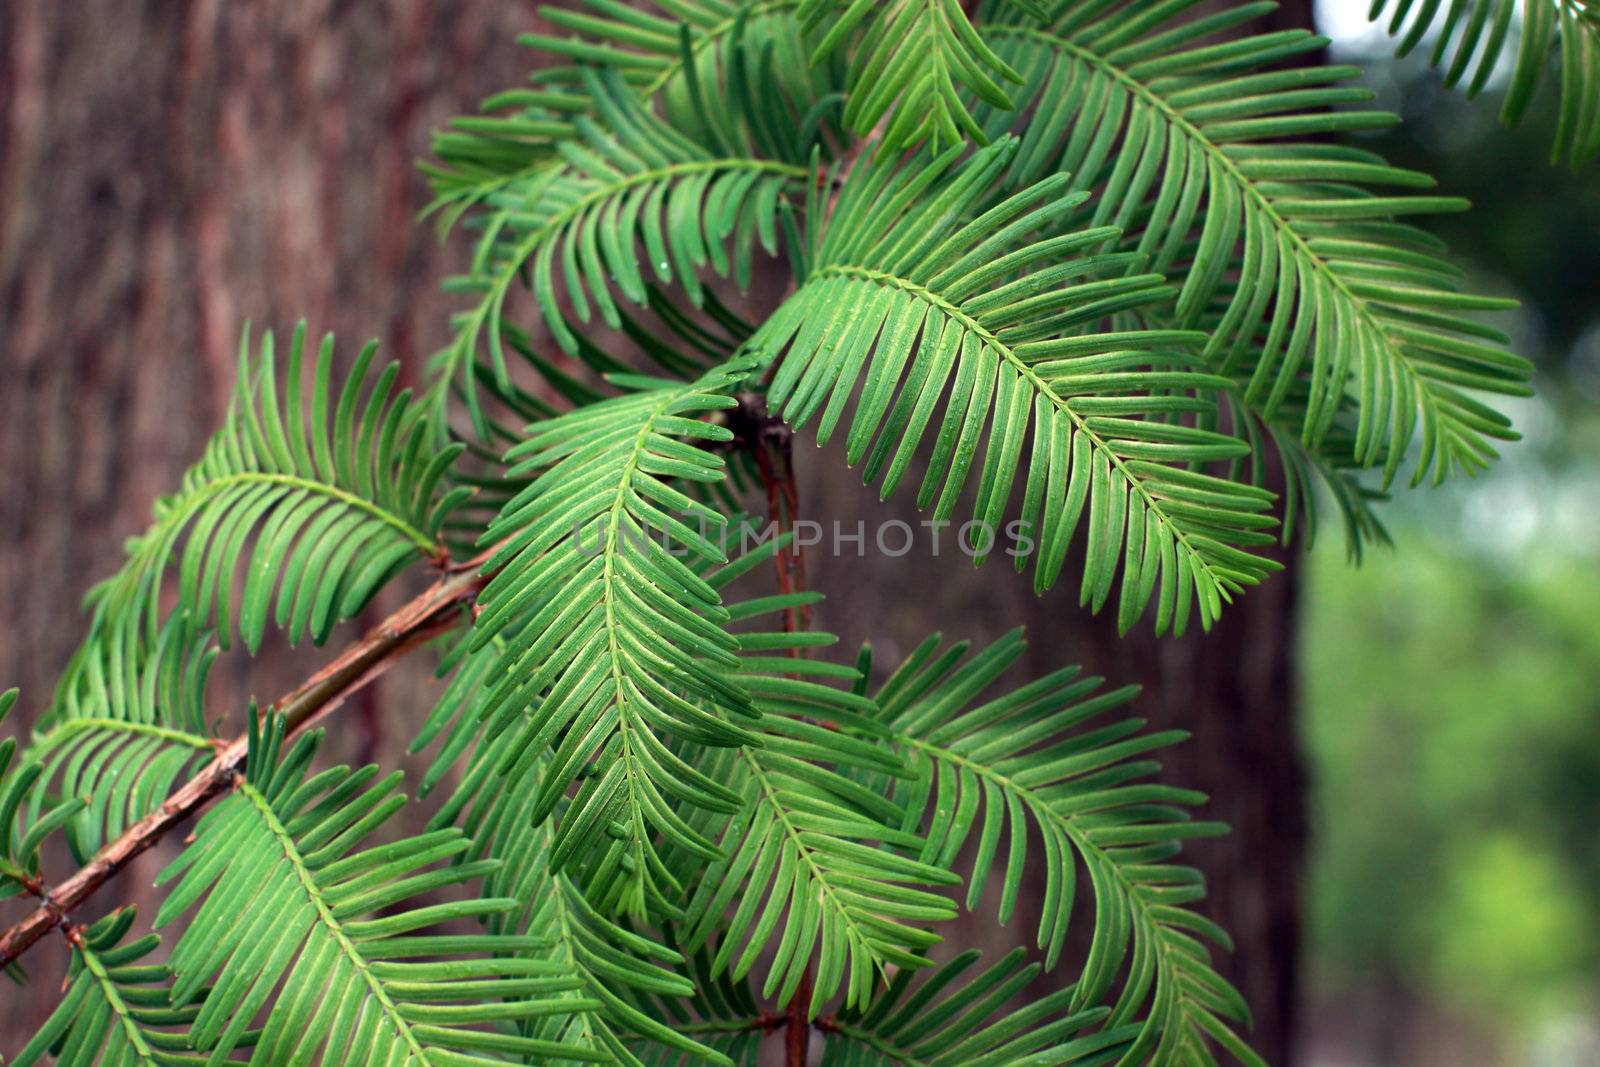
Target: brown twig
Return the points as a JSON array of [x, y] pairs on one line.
[[772, 444], [426, 616], [850, 160], [797, 1034], [774, 454]]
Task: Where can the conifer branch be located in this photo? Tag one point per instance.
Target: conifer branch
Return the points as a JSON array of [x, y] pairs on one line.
[[1093, 266]]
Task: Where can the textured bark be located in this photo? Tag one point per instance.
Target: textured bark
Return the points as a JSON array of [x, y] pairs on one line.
[[169, 170]]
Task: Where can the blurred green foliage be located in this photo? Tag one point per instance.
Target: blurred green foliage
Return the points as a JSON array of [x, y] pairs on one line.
[[1453, 717], [1452, 686]]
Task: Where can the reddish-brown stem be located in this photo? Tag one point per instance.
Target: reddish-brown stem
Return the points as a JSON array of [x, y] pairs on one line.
[[773, 447], [849, 160], [797, 1035], [774, 456], [437, 609]]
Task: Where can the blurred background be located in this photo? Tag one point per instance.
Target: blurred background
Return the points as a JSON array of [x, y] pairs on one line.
[[1451, 687], [1409, 750]]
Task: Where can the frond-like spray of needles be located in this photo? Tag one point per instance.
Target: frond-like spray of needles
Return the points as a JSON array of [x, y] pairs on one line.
[[1100, 266]]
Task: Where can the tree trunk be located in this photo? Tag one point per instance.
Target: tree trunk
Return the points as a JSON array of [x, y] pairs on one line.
[[169, 170]]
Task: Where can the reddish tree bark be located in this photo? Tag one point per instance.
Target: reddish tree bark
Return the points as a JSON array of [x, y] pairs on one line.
[[169, 170]]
